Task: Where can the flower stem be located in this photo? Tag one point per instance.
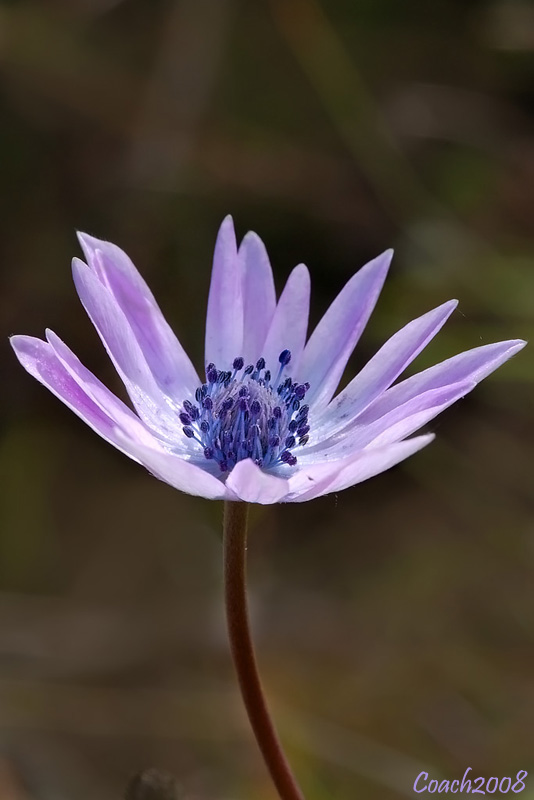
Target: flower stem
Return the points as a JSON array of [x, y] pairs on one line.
[[235, 549]]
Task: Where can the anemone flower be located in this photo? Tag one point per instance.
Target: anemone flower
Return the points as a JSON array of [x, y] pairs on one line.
[[265, 425]]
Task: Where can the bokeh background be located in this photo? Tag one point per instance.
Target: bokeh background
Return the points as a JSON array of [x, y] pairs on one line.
[[394, 622]]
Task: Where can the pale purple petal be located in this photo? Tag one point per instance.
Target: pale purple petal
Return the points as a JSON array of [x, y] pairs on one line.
[[40, 360], [250, 484], [333, 340], [259, 296], [164, 354], [380, 372], [473, 365], [290, 321], [395, 425], [324, 479], [109, 403], [224, 321], [124, 350], [180, 474]]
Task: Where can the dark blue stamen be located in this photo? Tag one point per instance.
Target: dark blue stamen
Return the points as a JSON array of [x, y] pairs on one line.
[[248, 416], [285, 357]]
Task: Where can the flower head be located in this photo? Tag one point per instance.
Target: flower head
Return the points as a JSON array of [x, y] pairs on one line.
[[265, 425]]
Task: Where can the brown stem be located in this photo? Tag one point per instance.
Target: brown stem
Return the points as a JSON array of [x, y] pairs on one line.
[[235, 562]]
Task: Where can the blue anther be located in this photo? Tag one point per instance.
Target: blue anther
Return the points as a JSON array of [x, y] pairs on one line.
[[285, 357], [244, 414], [304, 440]]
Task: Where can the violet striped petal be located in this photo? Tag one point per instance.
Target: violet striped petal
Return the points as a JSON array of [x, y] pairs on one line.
[[259, 296], [252, 485], [473, 365], [380, 372], [40, 360], [333, 340], [397, 424], [321, 479], [290, 321], [224, 321], [164, 354], [124, 350], [180, 474]]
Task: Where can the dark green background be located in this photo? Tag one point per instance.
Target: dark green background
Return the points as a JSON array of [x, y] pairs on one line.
[[394, 622]]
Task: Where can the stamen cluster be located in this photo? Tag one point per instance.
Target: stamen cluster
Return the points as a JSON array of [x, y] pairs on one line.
[[245, 414]]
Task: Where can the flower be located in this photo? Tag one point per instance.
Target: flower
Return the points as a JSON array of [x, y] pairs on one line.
[[266, 425]]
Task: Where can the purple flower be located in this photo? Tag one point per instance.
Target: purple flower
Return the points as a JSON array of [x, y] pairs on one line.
[[265, 426]]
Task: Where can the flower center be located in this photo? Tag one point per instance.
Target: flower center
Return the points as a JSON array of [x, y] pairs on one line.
[[245, 414]]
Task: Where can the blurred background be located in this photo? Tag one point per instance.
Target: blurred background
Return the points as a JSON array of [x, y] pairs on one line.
[[394, 623]]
